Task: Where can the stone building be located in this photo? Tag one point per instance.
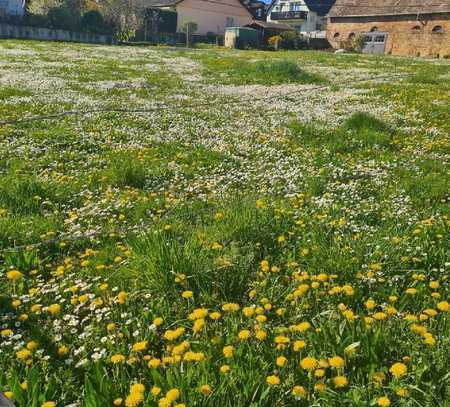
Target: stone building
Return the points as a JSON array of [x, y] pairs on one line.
[[399, 27]]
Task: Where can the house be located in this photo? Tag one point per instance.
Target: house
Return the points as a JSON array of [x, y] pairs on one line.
[[400, 27], [211, 16], [302, 15], [11, 8], [257, 8]]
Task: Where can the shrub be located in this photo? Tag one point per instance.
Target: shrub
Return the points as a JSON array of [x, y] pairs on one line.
[[274, 42], [291, 40], [92, 21], [64, 18]]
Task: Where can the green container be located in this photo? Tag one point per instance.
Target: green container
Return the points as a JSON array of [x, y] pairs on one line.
[[245, 37]]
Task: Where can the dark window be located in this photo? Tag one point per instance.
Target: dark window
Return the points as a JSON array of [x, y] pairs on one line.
[[336, 36], [380, 38], [352, 36], [416, 29], [374, 29], [438, 29]]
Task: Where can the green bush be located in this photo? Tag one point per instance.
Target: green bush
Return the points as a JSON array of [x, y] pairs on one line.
[[64, 18], [92, 21]]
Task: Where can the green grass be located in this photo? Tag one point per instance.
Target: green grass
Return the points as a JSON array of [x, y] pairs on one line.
[[271, 72], [299, 208]]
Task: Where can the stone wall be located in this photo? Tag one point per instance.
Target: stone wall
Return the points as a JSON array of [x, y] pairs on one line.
[[408, 35], [36, 33]]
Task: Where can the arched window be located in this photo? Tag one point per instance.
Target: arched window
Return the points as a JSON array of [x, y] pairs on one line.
[[416, 29], [336, 36], [374, 29], [437, 29], [351, 36]]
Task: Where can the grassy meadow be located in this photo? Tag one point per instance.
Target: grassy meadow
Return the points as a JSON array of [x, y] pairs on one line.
[[264, 229]]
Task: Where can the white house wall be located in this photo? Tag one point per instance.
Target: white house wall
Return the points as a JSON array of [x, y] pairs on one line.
[[312, 23], [212, 15]]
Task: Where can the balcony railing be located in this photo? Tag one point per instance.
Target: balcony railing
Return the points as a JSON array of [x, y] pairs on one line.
[[289, 15]]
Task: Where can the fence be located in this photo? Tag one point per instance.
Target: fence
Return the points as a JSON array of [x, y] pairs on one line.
[[38, 33]]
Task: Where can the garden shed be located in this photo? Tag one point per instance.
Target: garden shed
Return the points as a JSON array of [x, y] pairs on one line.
[[267, 30], [241, 37]]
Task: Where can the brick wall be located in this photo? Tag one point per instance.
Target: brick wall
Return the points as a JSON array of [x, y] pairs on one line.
[[403, 39]]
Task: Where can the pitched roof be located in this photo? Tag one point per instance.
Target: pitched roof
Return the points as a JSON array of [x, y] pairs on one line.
[[162, 3], [346, 8], [321, 7], [170, 3], [270, 26]]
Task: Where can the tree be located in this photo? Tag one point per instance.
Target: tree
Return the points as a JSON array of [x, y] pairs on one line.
[[189, 28], [125, 16], [42, 7]]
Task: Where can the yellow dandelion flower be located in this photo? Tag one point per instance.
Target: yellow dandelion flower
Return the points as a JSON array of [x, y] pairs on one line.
[[154, 363], [215, 315], [434, 285], [63, 350], [299, 391], [198, 325], [137, 388], [336, 362], [173, 395], [14, 275], [402, 392], [320, 387], [117, 358], [370, 304], [244, 335], [308, 363], [281, 361], [319, 373], [134, 399], [6, 332], [139, 346], [225, 369], [205, 389], [231, 307], [340, 381], [228, 351], [187, 294], [23, 354], [273, 380], [54, 309], [260, 334], [398, 370], [383, 401], [155, 390], [443, 306], [121, 297]]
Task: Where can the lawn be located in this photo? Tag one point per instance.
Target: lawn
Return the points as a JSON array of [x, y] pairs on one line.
[[223, 228]]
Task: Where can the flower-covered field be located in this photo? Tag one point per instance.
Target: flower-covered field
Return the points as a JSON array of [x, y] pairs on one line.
[[222, 228]]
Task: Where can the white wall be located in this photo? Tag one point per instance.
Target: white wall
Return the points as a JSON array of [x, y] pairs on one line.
[[211, 15], [308, 25]]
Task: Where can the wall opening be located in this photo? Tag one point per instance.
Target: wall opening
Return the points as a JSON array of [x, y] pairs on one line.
[[438, 29]]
